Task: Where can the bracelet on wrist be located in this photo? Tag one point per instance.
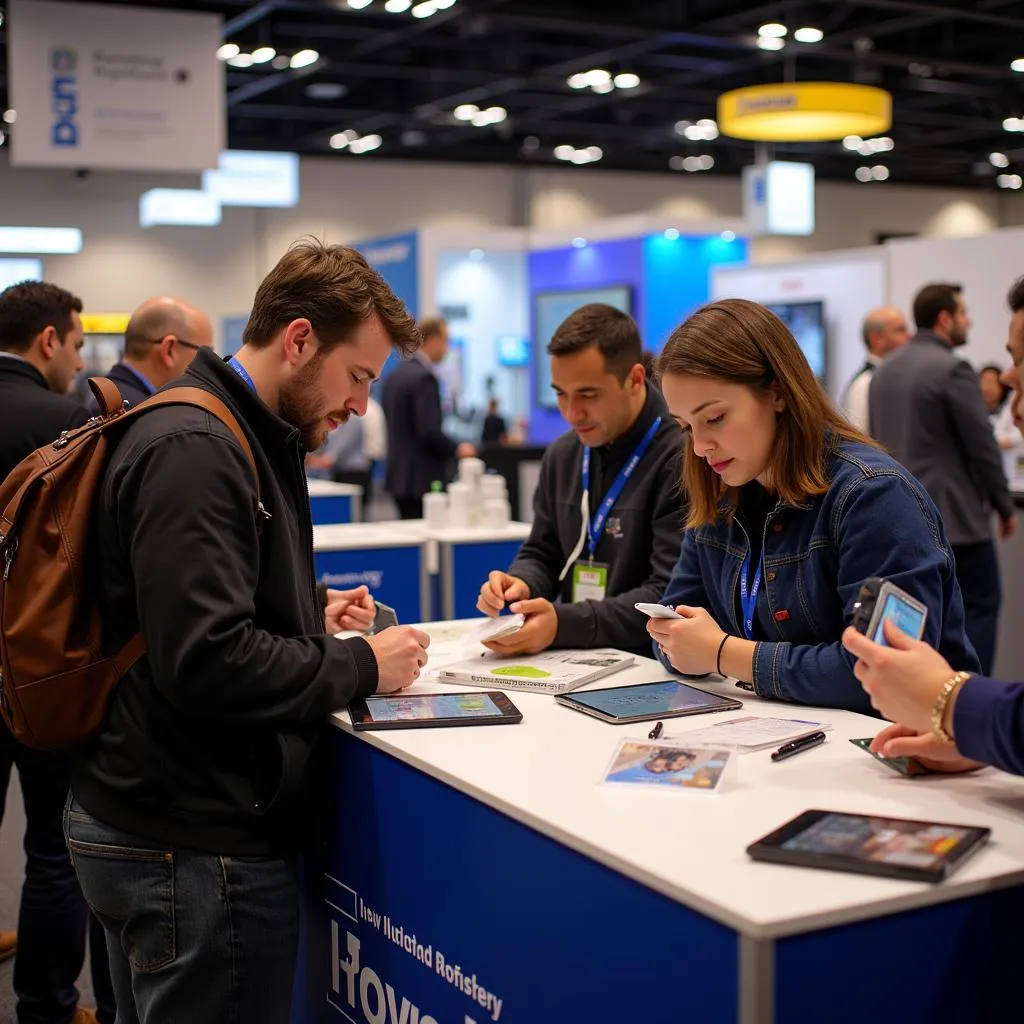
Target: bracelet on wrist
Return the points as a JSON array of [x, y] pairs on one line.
[[952, 684], [718, 656]]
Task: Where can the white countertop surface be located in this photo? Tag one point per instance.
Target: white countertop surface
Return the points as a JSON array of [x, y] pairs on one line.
[[480, 534], [691, 846], [345, 536], [330, 489]]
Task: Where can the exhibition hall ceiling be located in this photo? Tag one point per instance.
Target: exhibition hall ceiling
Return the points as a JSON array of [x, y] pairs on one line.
[[623, 85]]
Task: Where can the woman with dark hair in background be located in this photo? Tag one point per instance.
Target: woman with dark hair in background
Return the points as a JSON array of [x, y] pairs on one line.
[[791, 510]]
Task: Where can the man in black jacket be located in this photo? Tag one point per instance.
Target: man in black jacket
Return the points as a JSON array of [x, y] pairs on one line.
[[40, 353], [608, 511], [188, 809], [418, 449], [161, 339]]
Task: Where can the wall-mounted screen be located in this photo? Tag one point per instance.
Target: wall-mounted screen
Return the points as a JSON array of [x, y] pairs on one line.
[[549, 310], [806, 321], [513, 350]]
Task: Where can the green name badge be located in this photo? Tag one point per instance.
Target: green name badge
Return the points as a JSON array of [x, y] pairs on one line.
[[589, 581]]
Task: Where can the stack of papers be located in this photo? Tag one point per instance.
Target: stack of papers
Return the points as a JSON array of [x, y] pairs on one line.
[[752, 732]]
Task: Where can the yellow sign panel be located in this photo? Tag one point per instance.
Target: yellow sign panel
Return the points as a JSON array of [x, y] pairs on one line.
[[105, 323], [804, 112]]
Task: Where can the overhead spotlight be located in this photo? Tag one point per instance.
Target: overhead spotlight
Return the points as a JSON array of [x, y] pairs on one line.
[[773, 30], [704, 130], [241, 60], [728, 236], [531, 143], [883, 144], [465, 112], [862, 174], [808, 35], [342, 139], [263, 54], [476, 254], [999, 160], [443, 5], [676, 163], [280, 63], [852, 142], [691, 163], [304, 58], [705, 163], [564, 152], [880, 172], [589, 155], [10, 116], [1017, 65], [598, 76], [626, 80], [495, 115], [672, 234], [397, 6], [1013, 124], [3, 138], [1009, 181], [710, 128], [579, 243], [425, 9], [228, 50], [604, 88], [577, 81], [358, 5], [366, 144], [770, 43]]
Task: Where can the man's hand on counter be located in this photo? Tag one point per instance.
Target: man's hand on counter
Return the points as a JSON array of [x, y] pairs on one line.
[[401, 653]]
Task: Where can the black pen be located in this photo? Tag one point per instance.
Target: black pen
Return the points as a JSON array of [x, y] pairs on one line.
[[656, 731], [806, 743]]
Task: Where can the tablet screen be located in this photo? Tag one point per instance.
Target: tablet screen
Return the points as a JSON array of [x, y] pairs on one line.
[[413, 707], [649, 699], [901, 614], [915, 844]]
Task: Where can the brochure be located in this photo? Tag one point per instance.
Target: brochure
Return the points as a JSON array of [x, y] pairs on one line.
[[752, 732], [549, 672]]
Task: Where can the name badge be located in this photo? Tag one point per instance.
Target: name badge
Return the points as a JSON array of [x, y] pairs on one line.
[[589, 582]]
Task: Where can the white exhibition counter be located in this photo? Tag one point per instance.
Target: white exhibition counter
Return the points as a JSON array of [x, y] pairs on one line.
[[567, 901]]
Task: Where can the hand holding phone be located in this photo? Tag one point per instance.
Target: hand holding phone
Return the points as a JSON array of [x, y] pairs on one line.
[[880, 601], [657, 611]]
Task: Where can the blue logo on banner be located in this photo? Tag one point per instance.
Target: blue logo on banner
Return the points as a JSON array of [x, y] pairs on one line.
[[64, 97]]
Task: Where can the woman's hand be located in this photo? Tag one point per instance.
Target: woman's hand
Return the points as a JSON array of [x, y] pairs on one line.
[[690, 643]]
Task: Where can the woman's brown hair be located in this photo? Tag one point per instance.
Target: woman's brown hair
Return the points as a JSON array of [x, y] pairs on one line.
[[740, 342]]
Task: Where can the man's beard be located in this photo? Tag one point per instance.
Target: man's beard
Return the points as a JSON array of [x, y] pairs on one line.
[[957, 339], [301, 403]]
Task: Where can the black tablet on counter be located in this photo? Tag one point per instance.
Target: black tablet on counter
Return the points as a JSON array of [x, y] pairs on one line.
[[429, 710], [918, 851]]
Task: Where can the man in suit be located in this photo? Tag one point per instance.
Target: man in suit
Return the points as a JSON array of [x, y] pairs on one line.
[[418, 449], [40, 353], [885, 330], [926, 407], [162, 337]]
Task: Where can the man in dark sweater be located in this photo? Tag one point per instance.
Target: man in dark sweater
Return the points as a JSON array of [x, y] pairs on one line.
[[40, 353], [190, 806], [608, 511]]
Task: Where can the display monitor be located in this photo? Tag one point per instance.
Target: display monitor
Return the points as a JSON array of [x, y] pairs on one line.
[[550, 309], [806, 321], [513, 350]]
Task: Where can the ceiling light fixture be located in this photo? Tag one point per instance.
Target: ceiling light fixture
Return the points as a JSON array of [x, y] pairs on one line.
[[577, 81], [570, 154], [773, 30], [426, 9], [1009, 181], [876, 173], [704, 130], [479, 118], [342, 139], [358, 5], [241, 60], [1017, 65], [3, 138], [228, 50], [804, 112], [626, 80], [999, 160], [579, 243], [1013, 124], [10, 116], [366, 144], [304, 58], [728, 236], [672, 234], [263, 54], [808, 35], [862, 174], [397, 6], [770, 43]]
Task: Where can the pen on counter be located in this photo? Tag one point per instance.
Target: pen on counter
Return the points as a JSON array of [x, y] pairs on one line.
[[805, 743], [656, 731]]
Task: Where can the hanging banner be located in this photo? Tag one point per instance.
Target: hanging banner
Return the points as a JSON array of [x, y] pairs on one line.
[[122, 88]]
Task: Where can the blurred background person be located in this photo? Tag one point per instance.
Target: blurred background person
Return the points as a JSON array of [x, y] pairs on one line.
[[495, 430], [885, 330], [996, 396]]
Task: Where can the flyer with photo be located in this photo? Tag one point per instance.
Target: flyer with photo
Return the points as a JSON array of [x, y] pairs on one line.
[[669, 765]]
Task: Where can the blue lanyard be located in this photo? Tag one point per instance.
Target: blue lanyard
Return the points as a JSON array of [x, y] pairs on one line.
[[748, 594], [242, 372], [597, 522]]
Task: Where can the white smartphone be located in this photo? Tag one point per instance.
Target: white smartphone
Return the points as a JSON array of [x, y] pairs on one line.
[[497, 629], [898, 607], [657, 611]]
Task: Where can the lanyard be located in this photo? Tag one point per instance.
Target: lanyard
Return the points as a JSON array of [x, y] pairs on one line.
[[597, 523], [748, 595], [242, 372]]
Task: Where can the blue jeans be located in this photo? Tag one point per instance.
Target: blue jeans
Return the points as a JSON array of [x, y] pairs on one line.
[[193, 938], [52, 917]]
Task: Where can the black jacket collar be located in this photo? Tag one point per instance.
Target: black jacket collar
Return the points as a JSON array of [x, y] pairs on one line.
[[213, 372], [21, 368]]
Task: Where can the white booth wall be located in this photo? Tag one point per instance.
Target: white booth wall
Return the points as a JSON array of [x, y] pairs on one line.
[[490, 286], [848, 283]]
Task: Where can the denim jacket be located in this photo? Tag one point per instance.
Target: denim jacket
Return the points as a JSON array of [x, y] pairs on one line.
[[874, 520]]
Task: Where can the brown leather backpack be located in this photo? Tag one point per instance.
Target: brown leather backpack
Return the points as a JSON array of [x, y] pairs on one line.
[[55, 682]]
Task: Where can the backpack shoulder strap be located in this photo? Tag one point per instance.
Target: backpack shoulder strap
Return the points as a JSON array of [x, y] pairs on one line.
[[186, 395]]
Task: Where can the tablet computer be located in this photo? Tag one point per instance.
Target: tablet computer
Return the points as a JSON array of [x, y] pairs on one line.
[[426, 710], [644, 702], [920, 851]]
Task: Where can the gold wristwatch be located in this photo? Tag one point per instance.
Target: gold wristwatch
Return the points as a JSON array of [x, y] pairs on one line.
[[941, 702]]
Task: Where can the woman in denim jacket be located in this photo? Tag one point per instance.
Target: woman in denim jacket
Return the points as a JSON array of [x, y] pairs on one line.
[[791, 509]]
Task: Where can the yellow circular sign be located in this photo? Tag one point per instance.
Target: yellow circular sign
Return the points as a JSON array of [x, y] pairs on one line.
[[804, 112]]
